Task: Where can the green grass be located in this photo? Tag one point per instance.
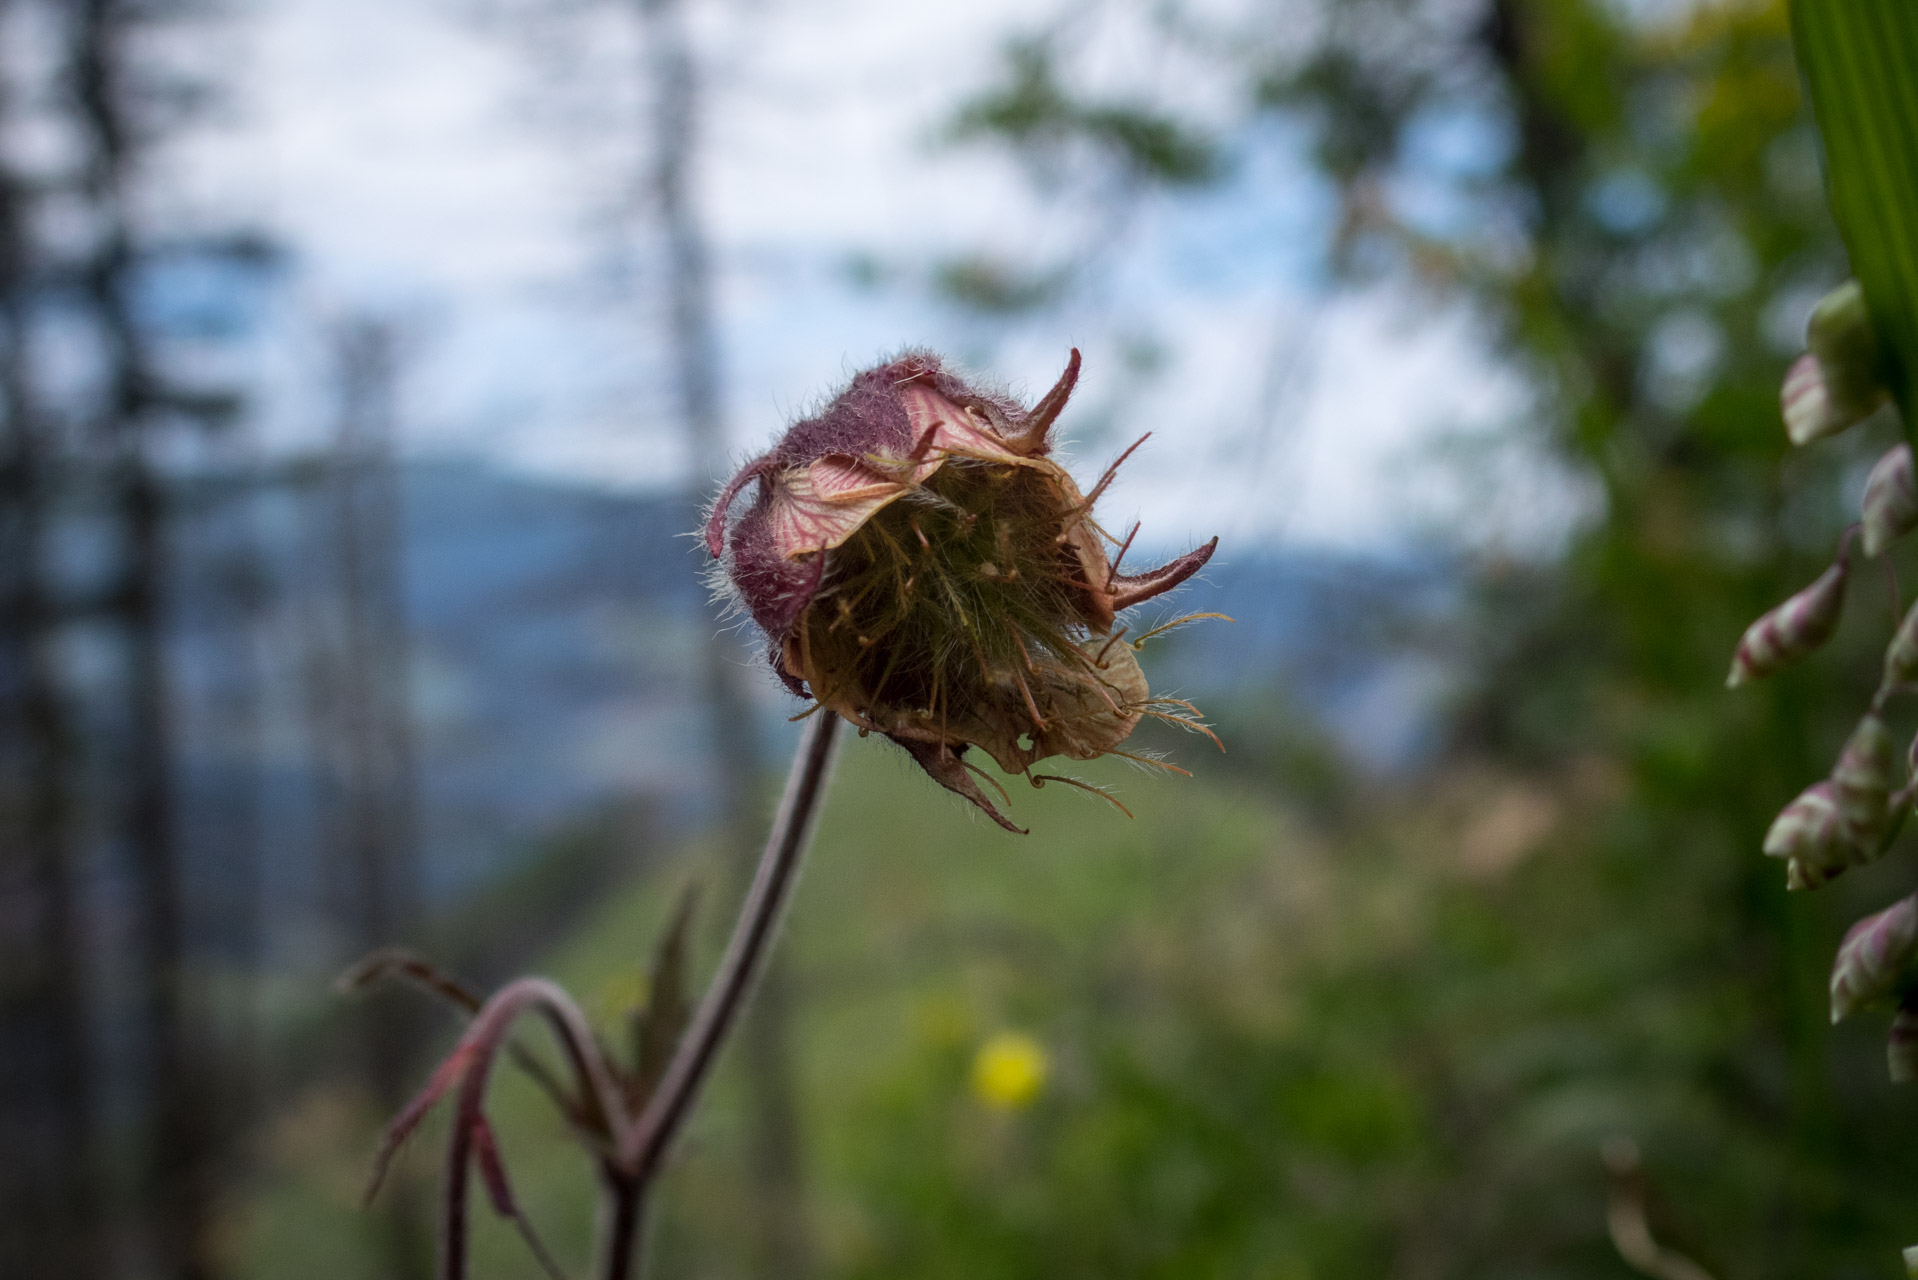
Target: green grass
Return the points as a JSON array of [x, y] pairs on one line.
[[919, 930], [1275, 1049]]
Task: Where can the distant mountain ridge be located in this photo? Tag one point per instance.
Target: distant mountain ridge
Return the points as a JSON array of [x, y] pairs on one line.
[[553, 631], [555, 628]]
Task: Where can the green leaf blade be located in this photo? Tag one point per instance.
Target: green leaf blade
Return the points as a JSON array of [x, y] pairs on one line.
[[1860, 61]]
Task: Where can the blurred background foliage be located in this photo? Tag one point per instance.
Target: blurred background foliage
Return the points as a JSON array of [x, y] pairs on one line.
[[1640, 249], [1303, 1017]]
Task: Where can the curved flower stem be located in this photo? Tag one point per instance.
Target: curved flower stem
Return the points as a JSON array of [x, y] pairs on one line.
[[625, 1225], [470, 1065], [647, 1143]]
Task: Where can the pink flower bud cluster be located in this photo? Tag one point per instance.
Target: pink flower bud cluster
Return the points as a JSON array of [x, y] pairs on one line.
[[1852, 816]]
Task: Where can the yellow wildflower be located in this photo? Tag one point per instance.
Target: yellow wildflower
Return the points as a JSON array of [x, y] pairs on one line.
[[1009, 1070]]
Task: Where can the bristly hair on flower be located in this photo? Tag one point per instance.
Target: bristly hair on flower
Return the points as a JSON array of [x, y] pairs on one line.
[[921, 566]]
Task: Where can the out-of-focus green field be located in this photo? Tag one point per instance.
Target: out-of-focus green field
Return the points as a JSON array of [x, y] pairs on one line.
[[1155, 961], [1386, 1043]]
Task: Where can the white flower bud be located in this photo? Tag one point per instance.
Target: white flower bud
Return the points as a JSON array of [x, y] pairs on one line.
[[1835, 384], [1891, 501], [1863, 779], [1795, 628], [1901, 655], [1874, 963]]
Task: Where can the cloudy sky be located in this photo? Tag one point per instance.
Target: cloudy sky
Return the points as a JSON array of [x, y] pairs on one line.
[[473, 172]]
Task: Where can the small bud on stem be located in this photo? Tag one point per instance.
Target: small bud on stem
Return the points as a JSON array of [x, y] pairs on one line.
[[1890, 509], [1836, 383], [1846, 820], [1796, 628], [1901, 655], [1874, 963], [1808, 834], [1863, 779]]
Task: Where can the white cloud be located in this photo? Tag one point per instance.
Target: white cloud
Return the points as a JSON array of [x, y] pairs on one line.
[[397, 146]]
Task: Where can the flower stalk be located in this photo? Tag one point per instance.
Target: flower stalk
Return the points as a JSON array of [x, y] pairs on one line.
[[620, 1113], [923, 569], [652, 1134]]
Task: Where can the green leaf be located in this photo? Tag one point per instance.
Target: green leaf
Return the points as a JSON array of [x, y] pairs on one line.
[[658, 1026], [1034, 112], [1860, 60]]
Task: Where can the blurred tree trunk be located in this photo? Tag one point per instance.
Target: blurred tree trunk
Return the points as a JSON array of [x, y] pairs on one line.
[[174, 1184], [366, 726], [782, 1245], [235, 826], [97, 1005], [373, 726], [48, 1193]]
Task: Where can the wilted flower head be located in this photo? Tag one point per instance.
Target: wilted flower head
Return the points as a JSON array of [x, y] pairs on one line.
[[922, 567]]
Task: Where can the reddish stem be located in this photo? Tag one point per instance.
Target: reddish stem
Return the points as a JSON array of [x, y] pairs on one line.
[[649, 1140], [480, 1046], [622, 1247]]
